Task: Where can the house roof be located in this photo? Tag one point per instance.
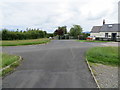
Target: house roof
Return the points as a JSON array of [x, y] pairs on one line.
[[106, 28], [110, 28], [96, 29]]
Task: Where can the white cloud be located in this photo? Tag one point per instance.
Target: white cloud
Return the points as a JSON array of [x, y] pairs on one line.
[[48, 14]]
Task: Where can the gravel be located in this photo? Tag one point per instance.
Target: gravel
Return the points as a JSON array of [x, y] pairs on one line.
[[107, 76]]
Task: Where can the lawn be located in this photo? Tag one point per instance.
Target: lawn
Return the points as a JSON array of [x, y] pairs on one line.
[[92, 41], [24, 42], [103, 55]]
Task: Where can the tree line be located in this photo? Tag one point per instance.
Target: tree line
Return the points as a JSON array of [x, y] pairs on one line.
[[22, 35], [62, 33]]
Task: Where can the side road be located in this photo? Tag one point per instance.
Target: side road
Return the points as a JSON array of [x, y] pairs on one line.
[[59, 64]]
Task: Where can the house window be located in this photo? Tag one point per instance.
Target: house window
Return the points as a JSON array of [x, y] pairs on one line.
[[106, 35], [110, 26]]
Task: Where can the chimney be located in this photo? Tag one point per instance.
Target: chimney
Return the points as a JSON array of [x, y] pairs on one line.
[[103, 21]]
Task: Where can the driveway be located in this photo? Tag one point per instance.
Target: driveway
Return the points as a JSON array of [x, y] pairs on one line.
[[59, 64]]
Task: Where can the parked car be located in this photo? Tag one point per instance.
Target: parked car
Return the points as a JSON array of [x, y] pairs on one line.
[[90, 38], [50, 38]]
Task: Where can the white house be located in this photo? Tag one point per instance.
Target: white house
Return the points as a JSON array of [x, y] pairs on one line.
[[106, 32]]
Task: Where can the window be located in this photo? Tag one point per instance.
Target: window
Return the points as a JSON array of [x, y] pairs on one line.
[[106, 35], [110, 26]]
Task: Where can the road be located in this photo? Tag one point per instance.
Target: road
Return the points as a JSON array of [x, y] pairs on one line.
[[59, 64]]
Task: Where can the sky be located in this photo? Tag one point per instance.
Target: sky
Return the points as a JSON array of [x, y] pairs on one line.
[[49, 14]]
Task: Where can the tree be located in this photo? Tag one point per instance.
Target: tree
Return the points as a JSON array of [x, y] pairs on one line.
[[5, 34], [56, 32], [61, 31], [64, 28], [75, 31]]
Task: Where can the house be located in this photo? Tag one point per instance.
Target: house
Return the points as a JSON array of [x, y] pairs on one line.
[[109, 32]]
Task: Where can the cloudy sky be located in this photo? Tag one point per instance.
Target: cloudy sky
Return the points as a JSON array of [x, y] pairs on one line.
[[49, 14]]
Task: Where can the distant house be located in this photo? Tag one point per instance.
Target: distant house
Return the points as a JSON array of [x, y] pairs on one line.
[[106, 32]]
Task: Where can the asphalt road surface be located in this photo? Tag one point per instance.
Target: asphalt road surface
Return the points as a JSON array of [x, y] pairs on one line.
[[59, 64]]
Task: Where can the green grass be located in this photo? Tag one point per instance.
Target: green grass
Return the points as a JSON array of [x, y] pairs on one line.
[[24, 42], [103, 55], [92, 41], [6, 71], [8, 59], [10, 69]]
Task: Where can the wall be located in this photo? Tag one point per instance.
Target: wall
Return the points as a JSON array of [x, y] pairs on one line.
[[102, 34]]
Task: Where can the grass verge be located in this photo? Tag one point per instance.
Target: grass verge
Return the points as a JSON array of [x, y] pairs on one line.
[[24, 42], [10, 69], [7, 60], [103, 55], [92, 41]]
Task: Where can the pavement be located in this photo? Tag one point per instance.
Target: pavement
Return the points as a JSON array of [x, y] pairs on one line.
[[58, 64]]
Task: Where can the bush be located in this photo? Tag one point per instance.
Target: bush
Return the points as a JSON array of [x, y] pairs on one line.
[[19, 35]]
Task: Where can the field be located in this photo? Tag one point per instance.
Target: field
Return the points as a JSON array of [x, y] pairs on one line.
[[103, 55], [24, 42]]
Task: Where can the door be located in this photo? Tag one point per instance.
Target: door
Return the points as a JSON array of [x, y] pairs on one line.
[[114, 36]]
